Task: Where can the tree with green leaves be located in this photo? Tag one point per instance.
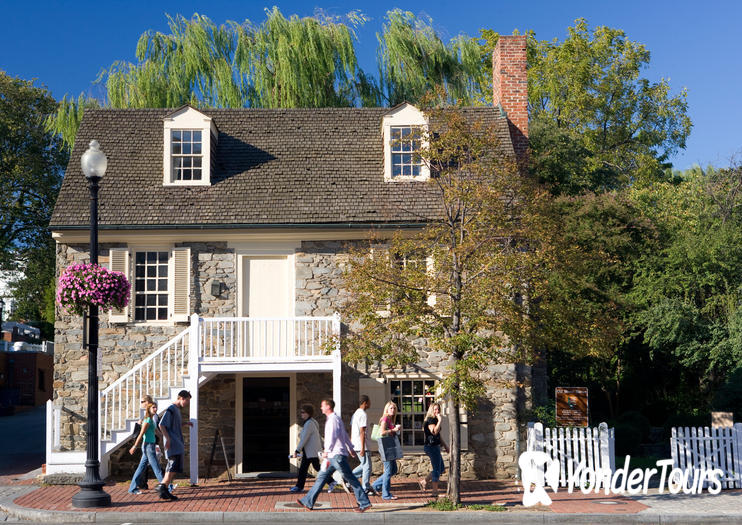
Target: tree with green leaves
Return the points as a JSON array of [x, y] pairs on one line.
[[595, 123], [414, 62], [470, 282], [31, 168]]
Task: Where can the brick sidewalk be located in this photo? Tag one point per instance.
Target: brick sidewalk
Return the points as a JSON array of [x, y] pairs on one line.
[[272, 495]]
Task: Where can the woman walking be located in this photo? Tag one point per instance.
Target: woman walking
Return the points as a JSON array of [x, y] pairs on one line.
[[433, 444], [309, 446], [149, 456], [390, 450]]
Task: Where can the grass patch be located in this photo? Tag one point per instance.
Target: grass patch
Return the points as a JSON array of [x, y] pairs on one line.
[[445, 505], [489, 507]]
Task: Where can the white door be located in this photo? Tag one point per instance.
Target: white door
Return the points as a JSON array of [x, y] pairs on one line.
[[267, 301]]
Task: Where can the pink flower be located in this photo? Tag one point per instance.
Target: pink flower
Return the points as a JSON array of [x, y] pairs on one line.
[[84, 285]]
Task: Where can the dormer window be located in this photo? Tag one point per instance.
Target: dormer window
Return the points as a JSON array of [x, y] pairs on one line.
[[405, 148], [186, 150], [190, 143], [403, 129]]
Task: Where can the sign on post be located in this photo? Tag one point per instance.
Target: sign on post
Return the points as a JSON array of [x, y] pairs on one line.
[[571, 406]]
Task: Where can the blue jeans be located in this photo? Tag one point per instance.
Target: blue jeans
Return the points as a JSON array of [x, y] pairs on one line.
[[364, 468], [149, 456], [436, 460], [384, 482], [339, 463]]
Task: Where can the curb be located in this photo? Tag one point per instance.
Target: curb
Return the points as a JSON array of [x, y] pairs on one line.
[[389, 516]]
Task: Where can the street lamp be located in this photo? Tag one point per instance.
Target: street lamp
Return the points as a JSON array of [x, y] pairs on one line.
[[91, 494], [2, 305]]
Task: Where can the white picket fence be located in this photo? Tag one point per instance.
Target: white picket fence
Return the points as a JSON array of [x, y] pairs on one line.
[[693, 449], [570, 446]]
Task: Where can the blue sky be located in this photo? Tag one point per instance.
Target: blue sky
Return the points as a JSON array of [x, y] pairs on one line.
[[65, 44]]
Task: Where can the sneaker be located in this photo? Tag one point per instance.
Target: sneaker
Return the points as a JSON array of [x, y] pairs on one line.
[[391, 498], [172, 497], [361, 509], [172, 487], [300, 502], [332, 486], [135, 491], [371, 492], [294, 489]]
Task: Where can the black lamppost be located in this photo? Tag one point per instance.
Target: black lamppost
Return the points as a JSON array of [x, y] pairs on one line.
[[2, 305], [91, 494]]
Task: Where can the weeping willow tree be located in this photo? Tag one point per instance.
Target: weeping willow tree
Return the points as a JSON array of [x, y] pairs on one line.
[[283, 63], [414, 61]]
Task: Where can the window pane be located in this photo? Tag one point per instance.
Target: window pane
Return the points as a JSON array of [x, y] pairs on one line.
[[162, 314], [162, 257], [186, 149], [140, 300], [186, 174], [407, 388], [197, 148], [186, 136], [406, 132], [151, 314], [419, 438], [408, 439], [396, 389], [196, 136], [176, 148], [139, 285], [407, 422], [140, 271], [196, 173], [415, 170], [151, 300], [151, 271], [140, 257], [163, 270], [139, 314], [162, 299], [151, 257], [196, 162], [162, 285], [151, 283]]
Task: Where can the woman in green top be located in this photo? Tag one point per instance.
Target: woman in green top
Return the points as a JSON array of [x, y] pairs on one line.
[[149, 456]]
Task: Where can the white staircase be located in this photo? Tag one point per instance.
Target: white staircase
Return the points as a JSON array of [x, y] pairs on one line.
[[162, 375]]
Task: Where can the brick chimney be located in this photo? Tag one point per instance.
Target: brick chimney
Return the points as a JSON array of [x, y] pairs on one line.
[[510, 88]]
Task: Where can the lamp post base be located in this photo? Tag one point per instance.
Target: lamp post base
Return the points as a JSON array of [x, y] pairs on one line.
[[91, 489], [91, 497]]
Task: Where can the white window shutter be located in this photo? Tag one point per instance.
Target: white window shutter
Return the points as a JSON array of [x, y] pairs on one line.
[[181, 289], [378, 395], [118, 261]]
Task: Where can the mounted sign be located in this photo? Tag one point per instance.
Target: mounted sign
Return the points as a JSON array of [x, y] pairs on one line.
[[571, 406]]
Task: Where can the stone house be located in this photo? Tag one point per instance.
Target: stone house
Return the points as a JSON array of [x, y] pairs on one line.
[[233, 226]]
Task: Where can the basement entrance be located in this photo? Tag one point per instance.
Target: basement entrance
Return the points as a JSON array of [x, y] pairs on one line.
[[266, 420]]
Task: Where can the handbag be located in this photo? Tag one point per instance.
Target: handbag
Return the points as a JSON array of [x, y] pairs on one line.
[[390, 448], [376, 432]]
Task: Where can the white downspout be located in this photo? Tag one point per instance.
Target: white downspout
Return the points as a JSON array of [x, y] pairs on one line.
[[193, 373]]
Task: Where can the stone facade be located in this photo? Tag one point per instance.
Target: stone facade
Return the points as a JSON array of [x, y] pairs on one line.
[[493, 436]]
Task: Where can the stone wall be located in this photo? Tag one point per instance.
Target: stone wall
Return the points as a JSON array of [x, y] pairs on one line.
[[495, 431]]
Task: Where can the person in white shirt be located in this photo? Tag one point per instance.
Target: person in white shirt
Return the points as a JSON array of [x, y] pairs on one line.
[[359, 438], [337, 445]]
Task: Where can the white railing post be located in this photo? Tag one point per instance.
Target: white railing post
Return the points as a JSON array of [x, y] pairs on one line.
[[337, 366], [49, 430], [193, 373], [737, 448]]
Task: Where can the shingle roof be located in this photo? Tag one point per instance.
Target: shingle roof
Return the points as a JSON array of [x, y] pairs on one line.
[[273, 167]]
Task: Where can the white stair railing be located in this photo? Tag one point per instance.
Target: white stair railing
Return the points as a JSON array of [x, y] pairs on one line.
[[256, 338], [154, 376]]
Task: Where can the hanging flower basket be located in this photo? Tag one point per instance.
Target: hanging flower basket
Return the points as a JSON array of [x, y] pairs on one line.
[[84, 285]]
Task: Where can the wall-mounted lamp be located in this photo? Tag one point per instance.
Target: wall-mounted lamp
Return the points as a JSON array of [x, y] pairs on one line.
[[217, 288]]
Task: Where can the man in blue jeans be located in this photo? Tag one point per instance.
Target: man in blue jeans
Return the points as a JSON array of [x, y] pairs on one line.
[[337, 444]]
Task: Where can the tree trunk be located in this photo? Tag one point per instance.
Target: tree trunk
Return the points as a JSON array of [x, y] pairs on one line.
[[454, 473]]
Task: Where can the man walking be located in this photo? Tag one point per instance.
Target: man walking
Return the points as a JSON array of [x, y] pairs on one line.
[[171, 428], [358, 436], [336, 444]]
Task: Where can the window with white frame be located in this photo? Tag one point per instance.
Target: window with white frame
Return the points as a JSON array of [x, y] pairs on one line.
[[190, 140], [151, 285], [405, 148], [404, 129], [187, 154], [413, 397]]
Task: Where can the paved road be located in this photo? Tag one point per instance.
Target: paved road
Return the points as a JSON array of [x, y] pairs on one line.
[[22, 446]]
